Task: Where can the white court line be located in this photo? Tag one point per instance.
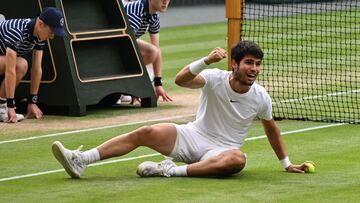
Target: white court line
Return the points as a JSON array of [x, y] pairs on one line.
[[97, 128], [164, 119], [157, 154], [60, 170], [318, 96]]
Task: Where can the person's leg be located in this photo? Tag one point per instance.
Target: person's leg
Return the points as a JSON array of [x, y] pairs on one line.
[[21, 69], [202, 156], [149, 52], [160, 137], [226, 163], [2, 73]]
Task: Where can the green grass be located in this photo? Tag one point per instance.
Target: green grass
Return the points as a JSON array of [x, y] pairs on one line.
[[335, 151]]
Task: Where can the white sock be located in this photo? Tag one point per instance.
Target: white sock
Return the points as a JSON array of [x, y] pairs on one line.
[[179, 171], [91, 156]]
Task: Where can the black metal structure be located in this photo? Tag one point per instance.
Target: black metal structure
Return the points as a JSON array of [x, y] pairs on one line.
[[96, 62]]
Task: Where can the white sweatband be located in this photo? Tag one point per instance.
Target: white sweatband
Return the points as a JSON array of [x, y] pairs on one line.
[[197, 66], [285, 162]]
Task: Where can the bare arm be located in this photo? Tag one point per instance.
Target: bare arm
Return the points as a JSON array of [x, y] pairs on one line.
[[36, 71], [155, 40], [277, 143], [273, 133], [10, 73], [10, 81], [36, 74], [157, 66], [185, 78]]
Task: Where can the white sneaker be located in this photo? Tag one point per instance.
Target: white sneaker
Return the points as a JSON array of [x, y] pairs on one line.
[[124, 99], [151, 169], [71, 160], [4, 114]]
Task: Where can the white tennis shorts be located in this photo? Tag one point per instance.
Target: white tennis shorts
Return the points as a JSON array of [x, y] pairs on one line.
[[191, 146]]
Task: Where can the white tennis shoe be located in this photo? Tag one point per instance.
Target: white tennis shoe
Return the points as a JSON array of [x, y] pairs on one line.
[[124, 99], [4, 114], [153, 169], [71, 160]]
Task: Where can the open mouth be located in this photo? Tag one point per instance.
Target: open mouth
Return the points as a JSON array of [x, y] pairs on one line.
[[252, 76]]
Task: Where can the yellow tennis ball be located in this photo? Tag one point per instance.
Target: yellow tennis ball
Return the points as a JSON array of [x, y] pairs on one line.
[[310, 168]]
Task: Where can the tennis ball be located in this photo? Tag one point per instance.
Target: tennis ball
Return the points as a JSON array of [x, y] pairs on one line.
[[310, 168]]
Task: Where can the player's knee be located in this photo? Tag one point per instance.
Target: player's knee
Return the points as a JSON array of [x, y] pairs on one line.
[[142, 134], [153, 53], [235, 162], [21, 66], [157, 52]]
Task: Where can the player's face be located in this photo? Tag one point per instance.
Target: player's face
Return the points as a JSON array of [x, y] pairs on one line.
[[247, 70], [45, 32], [160, 5]]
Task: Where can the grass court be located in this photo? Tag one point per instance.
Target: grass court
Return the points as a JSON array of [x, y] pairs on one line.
[[30, 173]]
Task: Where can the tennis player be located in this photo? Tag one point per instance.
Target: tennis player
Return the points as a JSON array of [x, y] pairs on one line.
[[210, 145]]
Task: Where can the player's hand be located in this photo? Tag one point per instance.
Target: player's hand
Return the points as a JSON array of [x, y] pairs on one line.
[[33, 111], [160, 92], [299, 168], [12, 118], [215, 55]]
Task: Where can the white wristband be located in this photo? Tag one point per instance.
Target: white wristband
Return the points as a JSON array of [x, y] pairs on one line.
[[285, 162], [197, 66]]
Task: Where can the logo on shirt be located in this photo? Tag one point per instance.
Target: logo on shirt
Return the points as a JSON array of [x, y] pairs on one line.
[[17, 44], [234, 101]]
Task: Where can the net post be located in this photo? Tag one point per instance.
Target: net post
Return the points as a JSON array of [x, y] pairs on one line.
[[234, 14]]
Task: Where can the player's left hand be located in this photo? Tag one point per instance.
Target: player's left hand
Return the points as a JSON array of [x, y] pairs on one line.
[[33, 111], [299, 168], [160, 92]]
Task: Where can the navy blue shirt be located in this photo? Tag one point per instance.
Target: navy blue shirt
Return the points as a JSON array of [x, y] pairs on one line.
[[17, 34], [140, 19]]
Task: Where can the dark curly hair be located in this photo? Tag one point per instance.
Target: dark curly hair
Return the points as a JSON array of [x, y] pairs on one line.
[[243, 48]]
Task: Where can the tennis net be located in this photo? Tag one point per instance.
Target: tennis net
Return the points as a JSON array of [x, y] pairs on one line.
[[312, 57]]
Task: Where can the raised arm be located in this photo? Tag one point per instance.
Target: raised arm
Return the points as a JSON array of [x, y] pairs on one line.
[[188, 76]]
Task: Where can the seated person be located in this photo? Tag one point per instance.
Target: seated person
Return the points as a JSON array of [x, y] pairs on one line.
[[211, 145]]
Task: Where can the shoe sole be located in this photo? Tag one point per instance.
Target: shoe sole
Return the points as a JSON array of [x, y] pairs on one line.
[[58, 151]]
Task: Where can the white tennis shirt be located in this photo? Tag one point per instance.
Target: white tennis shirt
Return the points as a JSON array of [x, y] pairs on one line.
[[224, 116]]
